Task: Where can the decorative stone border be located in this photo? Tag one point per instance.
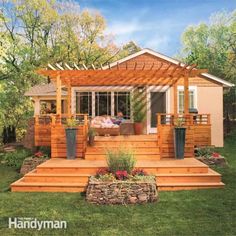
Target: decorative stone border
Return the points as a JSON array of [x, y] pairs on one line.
[[121, 192]]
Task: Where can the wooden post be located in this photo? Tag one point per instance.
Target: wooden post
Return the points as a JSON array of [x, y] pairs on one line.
[[175, 99], [58, 94], [186, 94], [69, 100]]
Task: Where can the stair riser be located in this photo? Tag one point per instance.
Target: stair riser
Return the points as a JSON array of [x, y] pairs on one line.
[[136, 152], [89, 171], [139, 158], [188, 179], [150, 170], [127, 144], [58, 179], [178, 188]]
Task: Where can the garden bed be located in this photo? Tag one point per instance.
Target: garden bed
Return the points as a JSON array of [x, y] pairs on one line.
[[121, 192]]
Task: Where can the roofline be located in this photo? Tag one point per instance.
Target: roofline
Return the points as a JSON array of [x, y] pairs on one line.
[[167, 58]]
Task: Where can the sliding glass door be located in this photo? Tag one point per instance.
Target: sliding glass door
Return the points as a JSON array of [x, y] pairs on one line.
[[102, 103], [122, 103]]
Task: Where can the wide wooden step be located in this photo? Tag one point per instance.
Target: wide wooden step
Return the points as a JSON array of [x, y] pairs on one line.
[[209, 177], [127, 138], [58, 177], [141, 157], [129, 144], [188, 186], [22, 186], [137, 151]]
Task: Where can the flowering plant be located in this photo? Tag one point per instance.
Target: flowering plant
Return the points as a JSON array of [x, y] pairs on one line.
[[101, 172], [215, 155], [121, 174], [139, 171], [38, 154]]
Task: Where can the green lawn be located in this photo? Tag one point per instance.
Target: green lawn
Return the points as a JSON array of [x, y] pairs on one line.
[[200, 212]]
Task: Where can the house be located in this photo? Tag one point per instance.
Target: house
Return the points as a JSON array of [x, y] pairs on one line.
[[205, 94], [170, 89]]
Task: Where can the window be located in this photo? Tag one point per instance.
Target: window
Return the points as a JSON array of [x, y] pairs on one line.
[[122, 103], [84, 103], [181, 99], [102, 103]]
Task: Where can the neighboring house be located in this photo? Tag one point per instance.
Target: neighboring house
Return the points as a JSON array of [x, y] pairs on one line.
[[205, 95]]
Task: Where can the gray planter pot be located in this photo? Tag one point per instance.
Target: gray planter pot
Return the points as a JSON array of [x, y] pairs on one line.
[[71, 143], [179, 142]]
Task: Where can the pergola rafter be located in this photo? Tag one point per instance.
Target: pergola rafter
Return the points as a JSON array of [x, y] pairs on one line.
[[121, 76]]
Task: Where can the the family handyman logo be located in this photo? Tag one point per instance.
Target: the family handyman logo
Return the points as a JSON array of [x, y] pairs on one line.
[[34, 223]]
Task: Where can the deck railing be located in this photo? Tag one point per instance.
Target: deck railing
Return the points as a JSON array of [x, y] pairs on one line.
[[50, 131], [188, 119], [198, 132]]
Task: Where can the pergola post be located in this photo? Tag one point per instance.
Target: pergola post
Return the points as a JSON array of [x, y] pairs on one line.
[[69, 99], [175, 99], [58, 84], [186, 94]]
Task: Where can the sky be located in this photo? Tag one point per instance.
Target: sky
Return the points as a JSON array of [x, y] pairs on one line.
[[155, 24]]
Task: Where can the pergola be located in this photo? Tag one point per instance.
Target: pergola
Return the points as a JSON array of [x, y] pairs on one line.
[[116, 76]]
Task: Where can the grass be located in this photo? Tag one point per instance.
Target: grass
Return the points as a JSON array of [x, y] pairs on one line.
[[199, 212]]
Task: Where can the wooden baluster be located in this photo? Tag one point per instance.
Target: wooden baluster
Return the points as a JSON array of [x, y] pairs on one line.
[[208, 119], [53, 119], [36, 119]]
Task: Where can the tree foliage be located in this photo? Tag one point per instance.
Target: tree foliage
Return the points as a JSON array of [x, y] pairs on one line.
[[212, 45], [34, 33]]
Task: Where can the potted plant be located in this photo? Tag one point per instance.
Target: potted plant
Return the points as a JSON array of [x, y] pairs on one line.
[[179, 138], [91, 134], [71, 130], [139, 112]]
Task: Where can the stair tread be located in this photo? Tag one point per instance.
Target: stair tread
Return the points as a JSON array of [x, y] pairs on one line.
[[46, 184], [209, 173]]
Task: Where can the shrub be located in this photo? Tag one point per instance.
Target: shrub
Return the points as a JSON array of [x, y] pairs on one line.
[[45, 150], [16, 158], [204, 152], [120, 159]]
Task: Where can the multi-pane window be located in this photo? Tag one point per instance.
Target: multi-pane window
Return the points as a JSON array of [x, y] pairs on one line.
[[102, 103], [84, 103], [122, 103], [181, 100]]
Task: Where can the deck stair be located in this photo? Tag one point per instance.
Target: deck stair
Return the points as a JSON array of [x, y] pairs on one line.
[[61, 175], [145, 147]]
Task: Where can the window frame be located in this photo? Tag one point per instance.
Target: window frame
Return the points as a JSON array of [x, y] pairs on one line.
[[191, 89]]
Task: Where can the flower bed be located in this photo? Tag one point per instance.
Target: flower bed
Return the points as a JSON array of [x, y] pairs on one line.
[[122, 192], [209, 157], [120, 183]]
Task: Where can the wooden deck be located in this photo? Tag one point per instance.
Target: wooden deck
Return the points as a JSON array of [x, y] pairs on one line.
[[61, 175]]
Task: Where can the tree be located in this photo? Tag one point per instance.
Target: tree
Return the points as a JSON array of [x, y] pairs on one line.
[[37, 32], [128, 49], [213, 45]]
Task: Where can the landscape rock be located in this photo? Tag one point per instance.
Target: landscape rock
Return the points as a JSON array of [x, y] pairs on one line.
[[31, 163], [121, 192]]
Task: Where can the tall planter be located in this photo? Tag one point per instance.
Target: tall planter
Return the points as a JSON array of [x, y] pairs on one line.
[[138, 128], [71, 143], [179, 142]]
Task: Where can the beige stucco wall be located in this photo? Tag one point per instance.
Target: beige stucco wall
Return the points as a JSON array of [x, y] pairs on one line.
[[210, 100]]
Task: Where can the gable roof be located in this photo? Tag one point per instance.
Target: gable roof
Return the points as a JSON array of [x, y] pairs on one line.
[[169, 59], [44, 90]]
